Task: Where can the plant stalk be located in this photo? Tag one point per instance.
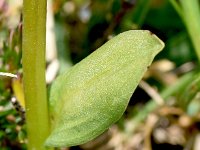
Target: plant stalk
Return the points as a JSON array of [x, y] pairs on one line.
[[33, 58], [191, 17]]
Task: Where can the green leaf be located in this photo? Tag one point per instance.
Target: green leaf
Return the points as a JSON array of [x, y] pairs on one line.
[[94, 94]]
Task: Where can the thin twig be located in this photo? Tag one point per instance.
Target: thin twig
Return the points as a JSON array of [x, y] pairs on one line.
[[152, 92]]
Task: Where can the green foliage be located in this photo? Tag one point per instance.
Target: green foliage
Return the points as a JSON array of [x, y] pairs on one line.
[[95, 93], [76, 37]]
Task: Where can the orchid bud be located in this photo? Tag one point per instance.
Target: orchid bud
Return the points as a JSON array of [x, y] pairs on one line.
[[86, 100]]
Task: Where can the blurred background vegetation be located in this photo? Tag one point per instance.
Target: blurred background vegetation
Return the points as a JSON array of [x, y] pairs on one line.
[[75, 28]]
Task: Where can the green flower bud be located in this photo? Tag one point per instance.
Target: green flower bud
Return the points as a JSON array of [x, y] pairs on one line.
[[89, 98]]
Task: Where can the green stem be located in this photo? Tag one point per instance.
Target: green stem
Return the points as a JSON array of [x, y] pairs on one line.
[[34, 31], [190, 14], [191, 17]]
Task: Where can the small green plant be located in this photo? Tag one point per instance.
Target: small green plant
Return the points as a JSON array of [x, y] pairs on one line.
[[90, 97], [93, 94]]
